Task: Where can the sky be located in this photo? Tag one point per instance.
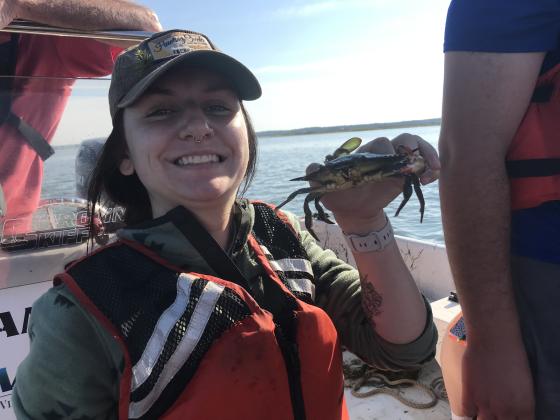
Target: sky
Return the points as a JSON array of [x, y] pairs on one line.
[[326, 62]]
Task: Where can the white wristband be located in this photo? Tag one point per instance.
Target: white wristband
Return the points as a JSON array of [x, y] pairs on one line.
[[373, 241]]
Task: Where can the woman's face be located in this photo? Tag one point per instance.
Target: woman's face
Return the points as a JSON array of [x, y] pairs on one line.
[[187, 141]]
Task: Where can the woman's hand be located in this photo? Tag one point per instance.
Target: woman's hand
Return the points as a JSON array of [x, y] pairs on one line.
[[360, 210]]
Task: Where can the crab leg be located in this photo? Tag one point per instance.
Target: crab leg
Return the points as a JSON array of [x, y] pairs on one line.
[[418, 191], [322, 216], [308, 214], [407, 192], [293, 195]]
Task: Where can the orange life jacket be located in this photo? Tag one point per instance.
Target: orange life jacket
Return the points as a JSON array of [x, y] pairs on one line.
[[533, 159], [200, 347]]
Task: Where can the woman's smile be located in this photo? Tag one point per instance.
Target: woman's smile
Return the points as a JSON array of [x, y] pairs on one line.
[[190, 160]]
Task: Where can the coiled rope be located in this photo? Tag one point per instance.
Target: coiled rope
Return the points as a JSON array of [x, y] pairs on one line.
[[358, 375]]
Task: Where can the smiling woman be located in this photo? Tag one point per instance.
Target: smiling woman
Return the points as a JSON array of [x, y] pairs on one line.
[[203, 170], [207, 300]]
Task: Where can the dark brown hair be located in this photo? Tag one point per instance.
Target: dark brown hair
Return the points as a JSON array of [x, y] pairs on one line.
[[109, 187]]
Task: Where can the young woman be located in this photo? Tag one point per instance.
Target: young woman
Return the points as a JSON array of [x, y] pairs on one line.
[[209, 306]]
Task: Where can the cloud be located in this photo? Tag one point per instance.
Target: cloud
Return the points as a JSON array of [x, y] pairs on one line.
[[294, 68], [381, 84], [312, 9], [308, 9]]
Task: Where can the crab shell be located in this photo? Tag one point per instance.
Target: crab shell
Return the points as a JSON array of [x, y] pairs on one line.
[[355, 169]]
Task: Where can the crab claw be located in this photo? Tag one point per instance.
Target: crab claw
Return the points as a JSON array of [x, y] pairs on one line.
[[418, 191], [411, 182], [407, 192]]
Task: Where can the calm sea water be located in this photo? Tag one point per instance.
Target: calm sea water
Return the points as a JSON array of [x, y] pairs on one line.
[[281, 159]]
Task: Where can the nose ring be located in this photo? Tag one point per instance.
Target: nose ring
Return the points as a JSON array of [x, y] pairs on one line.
[[196, 138]]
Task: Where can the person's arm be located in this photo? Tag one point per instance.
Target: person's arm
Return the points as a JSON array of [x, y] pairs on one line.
[[72, 369], [485, 98], [81, 14], [390, 297], [339, 293]]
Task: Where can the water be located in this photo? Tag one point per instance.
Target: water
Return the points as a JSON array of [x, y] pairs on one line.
[[281, 159]]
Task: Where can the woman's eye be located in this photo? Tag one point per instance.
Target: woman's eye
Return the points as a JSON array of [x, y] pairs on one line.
[[217, 110], [161, 112]]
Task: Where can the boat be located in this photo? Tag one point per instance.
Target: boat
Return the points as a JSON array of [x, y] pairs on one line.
[[29, 260]]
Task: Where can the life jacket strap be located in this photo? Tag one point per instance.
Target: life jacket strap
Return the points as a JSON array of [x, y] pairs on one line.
[[543, 93], [530, 168], [206, 246]]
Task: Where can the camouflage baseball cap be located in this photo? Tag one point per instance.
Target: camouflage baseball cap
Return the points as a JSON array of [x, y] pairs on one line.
[[139, 66]]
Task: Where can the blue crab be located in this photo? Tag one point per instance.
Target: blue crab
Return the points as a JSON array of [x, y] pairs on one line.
[[344, 170]]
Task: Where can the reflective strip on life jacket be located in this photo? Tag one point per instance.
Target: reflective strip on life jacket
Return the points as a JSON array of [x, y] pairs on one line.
[[297, 272], [533, 159], [144, 367], [204, 308]]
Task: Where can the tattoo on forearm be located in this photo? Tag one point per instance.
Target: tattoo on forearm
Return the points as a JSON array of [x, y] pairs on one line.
[[371, 300]]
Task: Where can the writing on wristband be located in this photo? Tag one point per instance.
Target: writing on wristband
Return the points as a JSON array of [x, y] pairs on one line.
[[372, 241]]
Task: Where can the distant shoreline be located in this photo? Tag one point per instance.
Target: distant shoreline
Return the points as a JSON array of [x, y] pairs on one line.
[[355, 127], [318, 130]]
